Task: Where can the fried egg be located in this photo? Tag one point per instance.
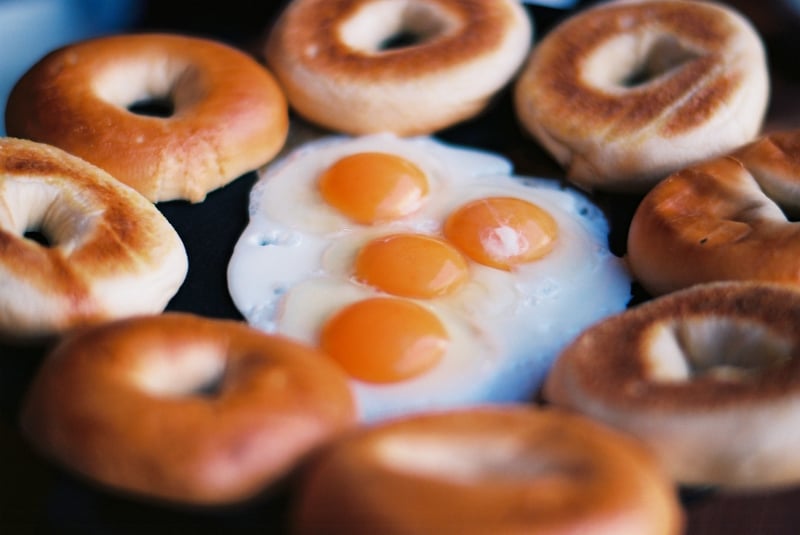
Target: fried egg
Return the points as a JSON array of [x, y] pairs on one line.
[[431, 273]]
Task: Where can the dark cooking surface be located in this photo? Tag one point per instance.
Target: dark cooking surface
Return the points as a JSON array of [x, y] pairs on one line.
[[36, 497]]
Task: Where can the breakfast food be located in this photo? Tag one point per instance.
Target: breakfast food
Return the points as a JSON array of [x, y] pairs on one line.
[[428, 271], [487, 470], [183, 408], [214, 112], [624, 93], [707, 377], [78, 246], [344, 63], [724, 219]]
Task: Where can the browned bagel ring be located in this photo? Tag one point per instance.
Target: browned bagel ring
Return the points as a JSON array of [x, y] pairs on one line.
[[184, 408], [724, 219], [500, 470], [230, 116], [330, 58], [708, 377], [626, 92], [109, 252]]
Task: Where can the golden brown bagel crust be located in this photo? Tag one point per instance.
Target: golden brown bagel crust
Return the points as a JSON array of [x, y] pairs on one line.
[[708, 377], [121, 404], [327, 55], [500, 470], [722, 220], [230, 115], [110, 253], [704, 92]]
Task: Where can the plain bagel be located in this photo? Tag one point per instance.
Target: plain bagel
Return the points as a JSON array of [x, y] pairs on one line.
[[183, 408], [77, 245], [333, 61], [225, 114], [626, 92], [725, 219], [708, 377], [500, 470]]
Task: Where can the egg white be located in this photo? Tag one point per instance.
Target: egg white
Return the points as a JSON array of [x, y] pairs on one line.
[[292, 268]]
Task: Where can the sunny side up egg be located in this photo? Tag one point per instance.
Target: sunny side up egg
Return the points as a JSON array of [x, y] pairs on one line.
[[434, 276]]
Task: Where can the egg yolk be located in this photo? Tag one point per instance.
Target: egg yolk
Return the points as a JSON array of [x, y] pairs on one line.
[[384, 339], [370, 187], [501, 232], [411, 265]]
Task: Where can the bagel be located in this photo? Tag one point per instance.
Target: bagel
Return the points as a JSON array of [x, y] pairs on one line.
[[626, 92], [182, 408], [225, 113], [725, 219], [333, 60], [708, 377], [498, 470], [107, 252]]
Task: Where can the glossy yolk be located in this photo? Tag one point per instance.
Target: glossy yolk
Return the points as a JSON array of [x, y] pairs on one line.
[[371, 187], [501, 232], [411, 265], [384, 339]]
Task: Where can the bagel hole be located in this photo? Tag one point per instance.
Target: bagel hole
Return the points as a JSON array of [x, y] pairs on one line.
[[38, 235], [211, 388], [790, 212], [47, 214], [393, 25], [401, 39], [663, 55], [197, 371], [631, 60], [153, 107], [720, 348]]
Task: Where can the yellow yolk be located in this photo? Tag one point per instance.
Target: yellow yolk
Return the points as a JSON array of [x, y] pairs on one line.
[[370, 187], [384, 339], [501, 232], [411, 265]]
